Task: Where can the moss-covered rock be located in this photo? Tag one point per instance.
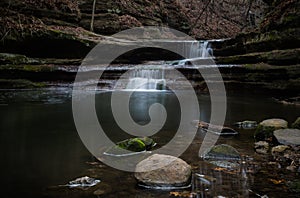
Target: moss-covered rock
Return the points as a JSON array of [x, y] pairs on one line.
[[134, 144], [19, 84], [265, 129], [263, 133], [131, 145], [225, 164], [28, 68], [16, 59], [275, 57], [137, 144], [222, 152]]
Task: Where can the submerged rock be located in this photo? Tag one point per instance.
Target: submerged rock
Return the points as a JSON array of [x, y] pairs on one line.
[[290, 101], [247, 124], [205, 179], [83, 182], [163, 172], [225, 164], [288, 136], [287, 156], [225, 131], [296, 124], [219, 130], [261, 147], [279, 149], [265, 129], [222, 152]]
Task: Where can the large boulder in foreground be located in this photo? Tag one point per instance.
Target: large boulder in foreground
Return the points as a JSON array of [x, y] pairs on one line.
[[265, 129], [288, 136], [163, 171]]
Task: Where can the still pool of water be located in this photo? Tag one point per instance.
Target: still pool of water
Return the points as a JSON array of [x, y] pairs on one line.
[[40, 147]]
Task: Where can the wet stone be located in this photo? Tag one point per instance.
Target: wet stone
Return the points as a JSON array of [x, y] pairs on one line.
[[275, 122], [163, 171], [261, 147], [225, 164], [288, 136], [279, 149], [265, 129], [130, 146], [247, 124], [99, 192], [222, 152]]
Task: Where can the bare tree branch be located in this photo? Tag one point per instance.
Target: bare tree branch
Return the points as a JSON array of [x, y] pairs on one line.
[[199, 16], [93, 16]]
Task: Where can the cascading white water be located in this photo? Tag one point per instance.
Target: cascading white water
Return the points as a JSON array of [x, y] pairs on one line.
[[200, 49], [147, 79], [154, 79], [195, 50]]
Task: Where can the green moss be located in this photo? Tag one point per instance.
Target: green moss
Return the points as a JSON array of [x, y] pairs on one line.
[[149, 143], [291, 19], [19, 84], [16, 59], [294, 186], [62, 35], [39, 68], [259, 66], [255, 77], [30, 68], [264, 60], [222, 151], [136, 144], [263, 132], [232, 59]]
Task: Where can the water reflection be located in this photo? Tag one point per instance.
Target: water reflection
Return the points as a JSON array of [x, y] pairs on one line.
[[40, 146], [211, 181]]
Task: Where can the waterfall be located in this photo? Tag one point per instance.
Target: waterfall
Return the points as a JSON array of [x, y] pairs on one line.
[[147, 79], [195, 50], [200, 49], [154, 78]]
